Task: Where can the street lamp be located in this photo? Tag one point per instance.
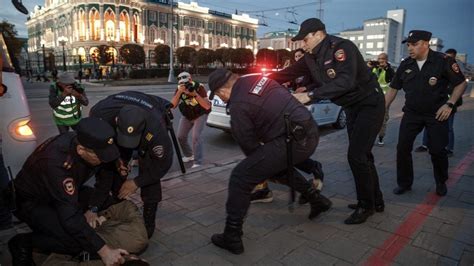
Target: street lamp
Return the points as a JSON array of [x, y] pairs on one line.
[[171, 78], [63, 40], [112, 43], [158, 41], [194, 44], [224, 45], [43, 42]]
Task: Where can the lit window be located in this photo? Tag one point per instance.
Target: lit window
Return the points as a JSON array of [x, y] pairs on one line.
[[379, 44], [370, 45]]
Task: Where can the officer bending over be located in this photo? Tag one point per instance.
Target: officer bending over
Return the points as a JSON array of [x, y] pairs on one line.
[[344, 78], [139, 120], [258, 106], [47, 193], [425, 77]]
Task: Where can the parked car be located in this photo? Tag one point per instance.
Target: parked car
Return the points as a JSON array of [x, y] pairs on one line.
[[18, 139], [324, 113]]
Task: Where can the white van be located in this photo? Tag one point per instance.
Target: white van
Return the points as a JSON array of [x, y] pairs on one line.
[[17, 138]]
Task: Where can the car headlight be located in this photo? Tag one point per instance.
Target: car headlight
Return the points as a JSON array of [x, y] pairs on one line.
[[20, 130]]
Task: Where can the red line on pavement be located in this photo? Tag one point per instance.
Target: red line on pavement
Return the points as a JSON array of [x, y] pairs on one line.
[[392, 246]]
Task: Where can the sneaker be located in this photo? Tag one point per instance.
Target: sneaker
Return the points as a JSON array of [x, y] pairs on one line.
[[380, 143], [188, 159], [421, 148], [263, 196], [195, 165]]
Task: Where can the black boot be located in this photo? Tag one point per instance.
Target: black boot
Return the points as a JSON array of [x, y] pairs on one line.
[[379, 206], [231, 239], [318, 202], [149, 216], [21, 250], [363, 211]]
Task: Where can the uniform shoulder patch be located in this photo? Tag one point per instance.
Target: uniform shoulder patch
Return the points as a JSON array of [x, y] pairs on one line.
[[159, 151], [259, 87], [68, 186], [455, 67], [340, 55]]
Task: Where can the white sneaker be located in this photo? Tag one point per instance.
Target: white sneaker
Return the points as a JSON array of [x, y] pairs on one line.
[[195, 165], [188, 159]]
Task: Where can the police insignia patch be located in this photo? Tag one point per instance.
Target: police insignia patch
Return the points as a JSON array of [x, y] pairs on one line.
[[159, 151], [433, 81], [340, 55], [455, 67], [408, 71], [258, 89], [68, 185], [148, 136], [331, 73]]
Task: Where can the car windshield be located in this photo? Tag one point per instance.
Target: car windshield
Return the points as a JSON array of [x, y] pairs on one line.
[[7, 63]]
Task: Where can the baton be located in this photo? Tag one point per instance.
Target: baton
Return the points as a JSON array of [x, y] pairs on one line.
[[169, 126], [289, 161]]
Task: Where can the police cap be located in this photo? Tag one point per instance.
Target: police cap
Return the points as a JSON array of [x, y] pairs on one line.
[[417, 35], [130, 125], [308, 26], [217, 79], [97, 135]]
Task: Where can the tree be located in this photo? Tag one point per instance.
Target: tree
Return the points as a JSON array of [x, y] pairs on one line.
[[204, 56], [185, 55], [162, 54], [132, 54], [243, 56], [10, 36], [104, 56], [219, 55], [266, 57]]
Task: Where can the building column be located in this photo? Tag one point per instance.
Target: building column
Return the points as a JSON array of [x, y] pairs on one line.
[[87, 23], [130, 28], [101, 18], [117, 24]]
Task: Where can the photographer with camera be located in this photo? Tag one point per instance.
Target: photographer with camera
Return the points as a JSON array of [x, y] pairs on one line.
[[194, 107], [66, 97], [384, 72]]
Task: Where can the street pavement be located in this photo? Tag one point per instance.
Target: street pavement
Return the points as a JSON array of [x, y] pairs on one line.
[[418, 228]]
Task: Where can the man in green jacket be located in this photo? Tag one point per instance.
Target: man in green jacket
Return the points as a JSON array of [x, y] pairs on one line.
[[66, 97]]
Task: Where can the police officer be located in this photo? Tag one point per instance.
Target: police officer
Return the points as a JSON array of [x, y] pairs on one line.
[[425, 77], [140, 122], [47, 192], [342, 76], [258, 106]]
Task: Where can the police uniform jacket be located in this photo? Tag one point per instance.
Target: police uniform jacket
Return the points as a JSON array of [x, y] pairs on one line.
[[52, 175], [257, 106], [426, 90], [155, 149], [339, 70]]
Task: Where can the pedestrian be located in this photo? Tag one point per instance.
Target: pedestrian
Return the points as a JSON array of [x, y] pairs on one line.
[[191, 98], [80, 75], [54, 73], [47, 191], [342, 76], [384, 72], [425, 76], [263, 113], [261, 193], [140, 122], [67, 97], [450, 148]]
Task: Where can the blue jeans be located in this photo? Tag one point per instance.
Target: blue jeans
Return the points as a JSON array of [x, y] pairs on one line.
[[197, 126], [450, 146]]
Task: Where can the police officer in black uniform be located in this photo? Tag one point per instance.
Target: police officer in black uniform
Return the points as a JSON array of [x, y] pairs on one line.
[[48, 190], [258, 107], [425, 77], [342, 76], [140, 122]]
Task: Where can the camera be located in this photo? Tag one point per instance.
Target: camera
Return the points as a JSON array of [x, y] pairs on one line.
[[189, 86], [75, 87], [374, 63]]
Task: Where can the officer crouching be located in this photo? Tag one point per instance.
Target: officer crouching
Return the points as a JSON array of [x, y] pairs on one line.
[[47, 193], [258, 107]]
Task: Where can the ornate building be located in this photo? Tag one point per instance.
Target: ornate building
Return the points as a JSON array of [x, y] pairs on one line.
[[80, 26]]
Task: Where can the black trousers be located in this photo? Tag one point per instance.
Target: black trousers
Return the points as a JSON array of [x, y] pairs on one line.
[[411, 125], [309, 166], [64, 129], [364, 121], [267, 161]]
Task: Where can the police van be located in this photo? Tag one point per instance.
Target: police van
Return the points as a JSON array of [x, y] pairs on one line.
[[17, 138], [324, 113]]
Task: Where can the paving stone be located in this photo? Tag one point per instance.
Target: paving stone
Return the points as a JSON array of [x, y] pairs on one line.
[[370, 236], [202, 256], [182, 192], [219, 198], [154, 250], [416, 256], [166, 207], [212, 187], [467, 259], [165, 259], [461, 233], [467, 197], [443, 261], [304, 255], [439, 245], [173, 222], [195, 202], [184, 241], [314, 231], [269, 261], [208, 215], [344, 249]]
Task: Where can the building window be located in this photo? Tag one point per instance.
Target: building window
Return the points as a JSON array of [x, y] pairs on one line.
[[193, 37], [379, 44], [218, 26], [352, 38], [186, 39], [152, 15], [361, 45], [210, 26], [376, 36], [186, 21], [360, 38], [251, 33], [152, 35], [226, 28], [163, 36], [210, 42], [163, 17], [193, 22], [199, 23], [199, 40], [370, 45], [237, 30]]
